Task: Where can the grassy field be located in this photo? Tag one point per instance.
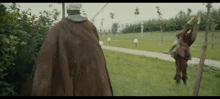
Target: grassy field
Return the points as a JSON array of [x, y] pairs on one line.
[[133, 75], [152, 42]]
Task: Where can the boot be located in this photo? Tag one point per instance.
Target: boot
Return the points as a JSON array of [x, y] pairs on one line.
[[184, 78], [177, 78]]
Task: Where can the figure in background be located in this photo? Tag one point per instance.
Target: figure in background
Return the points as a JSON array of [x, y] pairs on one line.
[[181, 50]]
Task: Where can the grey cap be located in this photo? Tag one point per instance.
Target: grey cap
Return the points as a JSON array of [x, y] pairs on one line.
[[74, 6]]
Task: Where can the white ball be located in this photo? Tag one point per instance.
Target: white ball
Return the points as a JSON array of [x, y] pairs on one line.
[[100, 42], [109, 39], [135, 40]]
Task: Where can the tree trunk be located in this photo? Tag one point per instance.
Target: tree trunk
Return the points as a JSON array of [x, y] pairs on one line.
[[199, 75], [133, 32], [212, 40], [150, 32], [161, 34], [142, 30], [203, 55], [161, 38]]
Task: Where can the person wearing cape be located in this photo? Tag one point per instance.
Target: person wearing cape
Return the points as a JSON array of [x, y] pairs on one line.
[[180, 51], [71, 61]]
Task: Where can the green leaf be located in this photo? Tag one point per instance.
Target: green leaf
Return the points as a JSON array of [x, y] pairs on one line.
[[15, 52], [3, 75], [6, 49], [7, 40]]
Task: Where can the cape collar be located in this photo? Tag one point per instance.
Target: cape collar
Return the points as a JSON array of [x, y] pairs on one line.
[[76, 18]]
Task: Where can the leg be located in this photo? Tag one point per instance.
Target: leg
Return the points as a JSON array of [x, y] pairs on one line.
[[184, 70], [178, 71]]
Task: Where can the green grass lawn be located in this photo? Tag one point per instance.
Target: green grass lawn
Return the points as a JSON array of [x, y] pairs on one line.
[[133, 75], [152, 42]]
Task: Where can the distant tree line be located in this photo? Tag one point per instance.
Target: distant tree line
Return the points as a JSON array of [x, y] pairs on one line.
[[175, 23]]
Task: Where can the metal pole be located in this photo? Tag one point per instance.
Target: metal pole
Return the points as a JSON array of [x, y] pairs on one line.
[[142, 27], [63, 7]]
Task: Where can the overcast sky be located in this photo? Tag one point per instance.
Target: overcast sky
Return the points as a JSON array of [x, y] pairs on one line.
[[124, 12]]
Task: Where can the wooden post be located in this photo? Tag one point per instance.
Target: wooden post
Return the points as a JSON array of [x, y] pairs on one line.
[[203, 55], [212, 40], [150, 32], [161, 30], [134, 29], [199, 75], [142, 28]]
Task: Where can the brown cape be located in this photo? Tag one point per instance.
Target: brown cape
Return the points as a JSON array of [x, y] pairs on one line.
[[70, 63]]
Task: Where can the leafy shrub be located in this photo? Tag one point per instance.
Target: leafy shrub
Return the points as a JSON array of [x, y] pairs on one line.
[[21, 37]]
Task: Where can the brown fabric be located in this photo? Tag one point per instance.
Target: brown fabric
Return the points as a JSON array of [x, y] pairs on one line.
[[185, 40], [70, 63], [181, 67]]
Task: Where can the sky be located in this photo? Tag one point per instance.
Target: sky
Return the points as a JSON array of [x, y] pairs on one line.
[[124, 12]]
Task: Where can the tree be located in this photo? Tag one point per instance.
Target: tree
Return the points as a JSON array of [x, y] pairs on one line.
[[189, 11], [111, 15], [161, 22], [213, 26], [203, 55], [101, 27], [115, 27], [135, 13], [177, 22]]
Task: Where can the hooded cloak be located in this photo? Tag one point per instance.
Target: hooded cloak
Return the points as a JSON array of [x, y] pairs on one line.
[[70, 63]]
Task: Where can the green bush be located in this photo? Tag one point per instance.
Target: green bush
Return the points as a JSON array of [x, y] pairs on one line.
[[21, 37]]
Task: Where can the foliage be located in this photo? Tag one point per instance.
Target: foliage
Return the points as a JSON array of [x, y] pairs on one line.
[[22, 35], [115, 27], [158, 11], [137, 11], [177, 22], [111, 15]]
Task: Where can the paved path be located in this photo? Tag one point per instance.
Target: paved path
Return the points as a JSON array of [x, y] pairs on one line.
[[162, 56]]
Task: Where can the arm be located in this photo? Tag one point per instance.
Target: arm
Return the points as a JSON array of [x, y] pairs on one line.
[[185, 28], [196, 28]]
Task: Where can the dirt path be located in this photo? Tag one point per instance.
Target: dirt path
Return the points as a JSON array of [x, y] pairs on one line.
[[161, 56]]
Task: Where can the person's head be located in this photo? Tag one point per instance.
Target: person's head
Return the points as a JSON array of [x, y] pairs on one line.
[[73, 8]]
